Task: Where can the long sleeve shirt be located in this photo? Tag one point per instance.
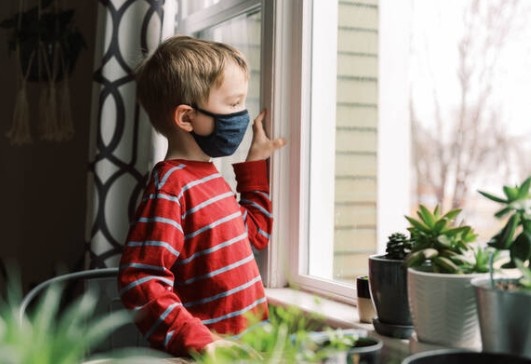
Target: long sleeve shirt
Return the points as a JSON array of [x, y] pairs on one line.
[[187, 267]]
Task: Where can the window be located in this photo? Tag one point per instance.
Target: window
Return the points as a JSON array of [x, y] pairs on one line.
[[338, 205], [343, 81], [319, 77]]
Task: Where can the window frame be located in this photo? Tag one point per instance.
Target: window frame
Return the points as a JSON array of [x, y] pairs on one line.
[[290, 99], [287, 89]]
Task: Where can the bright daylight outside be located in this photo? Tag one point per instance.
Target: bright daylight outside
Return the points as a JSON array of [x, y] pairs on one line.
[[469, 108], [470, 103]]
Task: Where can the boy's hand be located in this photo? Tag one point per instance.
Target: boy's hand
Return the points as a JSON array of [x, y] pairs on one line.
[[219, 343], [261, 146], [218, 346]]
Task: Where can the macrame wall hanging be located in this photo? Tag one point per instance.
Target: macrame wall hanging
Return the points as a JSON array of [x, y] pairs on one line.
[[46, 46]]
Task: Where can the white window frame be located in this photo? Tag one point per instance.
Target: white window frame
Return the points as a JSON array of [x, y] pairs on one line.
[[287, 88], [293, 77]]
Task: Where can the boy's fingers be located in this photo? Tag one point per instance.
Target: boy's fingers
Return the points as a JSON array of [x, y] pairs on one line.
[[258, 121]]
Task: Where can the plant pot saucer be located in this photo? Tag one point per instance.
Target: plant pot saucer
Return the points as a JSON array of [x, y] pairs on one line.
[[392, 330]]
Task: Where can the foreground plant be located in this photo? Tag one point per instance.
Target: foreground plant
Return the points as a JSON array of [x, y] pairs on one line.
[[439, 244], [48, 336], [289, 336]]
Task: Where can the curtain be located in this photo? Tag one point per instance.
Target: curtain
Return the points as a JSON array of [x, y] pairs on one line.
[[123, 147]]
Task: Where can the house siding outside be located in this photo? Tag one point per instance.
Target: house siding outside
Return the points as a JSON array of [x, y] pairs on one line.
[[356, 138]]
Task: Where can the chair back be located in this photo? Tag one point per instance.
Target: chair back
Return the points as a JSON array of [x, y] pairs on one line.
[[104, 282]]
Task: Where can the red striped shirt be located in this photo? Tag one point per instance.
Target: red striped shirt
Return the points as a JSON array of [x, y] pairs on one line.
[[187, 266]]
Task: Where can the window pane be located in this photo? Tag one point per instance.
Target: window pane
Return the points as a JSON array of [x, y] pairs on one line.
[[469, 84], [470, 87], [192, 6], [242, 32], [356, 139], [342, 233]]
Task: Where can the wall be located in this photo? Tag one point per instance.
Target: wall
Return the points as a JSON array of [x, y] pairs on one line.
[[42, 214]]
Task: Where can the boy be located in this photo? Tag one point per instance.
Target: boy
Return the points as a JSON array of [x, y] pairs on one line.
[[187, 267]]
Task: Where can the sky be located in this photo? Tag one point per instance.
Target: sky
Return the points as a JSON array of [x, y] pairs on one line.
[[437, 27], [436, 30]]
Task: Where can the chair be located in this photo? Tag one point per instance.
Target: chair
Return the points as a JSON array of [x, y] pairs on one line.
[[104, 281]]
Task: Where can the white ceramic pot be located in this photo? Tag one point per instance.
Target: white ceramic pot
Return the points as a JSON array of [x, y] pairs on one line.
[[443, 309]]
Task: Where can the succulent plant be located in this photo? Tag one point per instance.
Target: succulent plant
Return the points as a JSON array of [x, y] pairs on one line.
[[398, 246], [440, 245], [515, 235]]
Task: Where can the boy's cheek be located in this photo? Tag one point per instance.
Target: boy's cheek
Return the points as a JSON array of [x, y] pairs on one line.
[[203, 125]]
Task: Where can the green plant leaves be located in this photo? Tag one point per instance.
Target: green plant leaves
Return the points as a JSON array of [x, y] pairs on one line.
[[521, 248], [438, 243], [53, 334], [515, 235], [492, 197]]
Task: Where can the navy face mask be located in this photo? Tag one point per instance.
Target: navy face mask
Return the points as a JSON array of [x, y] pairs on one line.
[[228, 133]]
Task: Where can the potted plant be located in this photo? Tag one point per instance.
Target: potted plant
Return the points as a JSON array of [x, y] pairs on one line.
[[291, 336], [441, 265], [388, 286], [504, 304]]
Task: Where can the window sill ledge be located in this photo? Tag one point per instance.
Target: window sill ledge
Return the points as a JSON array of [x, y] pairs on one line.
[[338, 315]]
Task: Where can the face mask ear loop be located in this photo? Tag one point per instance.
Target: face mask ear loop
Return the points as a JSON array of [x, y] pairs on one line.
[[205, 112]]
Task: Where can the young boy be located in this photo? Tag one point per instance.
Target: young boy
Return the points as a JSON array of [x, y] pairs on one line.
[[187, 267]]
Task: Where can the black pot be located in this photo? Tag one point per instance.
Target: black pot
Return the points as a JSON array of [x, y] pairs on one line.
[[445, 356], [388, 285]]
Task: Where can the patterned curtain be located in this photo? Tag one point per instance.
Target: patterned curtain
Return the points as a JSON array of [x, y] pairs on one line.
[[123, 146]]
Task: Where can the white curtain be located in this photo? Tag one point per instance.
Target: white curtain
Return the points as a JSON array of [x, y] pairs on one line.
[[123, 146]]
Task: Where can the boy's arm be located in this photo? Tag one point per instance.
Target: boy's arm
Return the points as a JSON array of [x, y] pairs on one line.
[[146, 281], [253, 186]]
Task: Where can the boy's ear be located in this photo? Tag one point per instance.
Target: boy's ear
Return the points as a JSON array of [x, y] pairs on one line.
[[183, 116]]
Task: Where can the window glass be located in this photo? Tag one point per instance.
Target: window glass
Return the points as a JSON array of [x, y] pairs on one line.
[[343, 146], [467, 105], [470, 84], [356, 145], [191, 6]]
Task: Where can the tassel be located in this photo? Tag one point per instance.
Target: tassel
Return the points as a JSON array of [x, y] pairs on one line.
[[48, 112], [19, 133]]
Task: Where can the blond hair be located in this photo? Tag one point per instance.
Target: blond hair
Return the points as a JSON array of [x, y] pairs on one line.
[[182, 70]]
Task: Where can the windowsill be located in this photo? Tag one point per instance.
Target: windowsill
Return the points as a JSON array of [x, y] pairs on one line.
[[338, 315]]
